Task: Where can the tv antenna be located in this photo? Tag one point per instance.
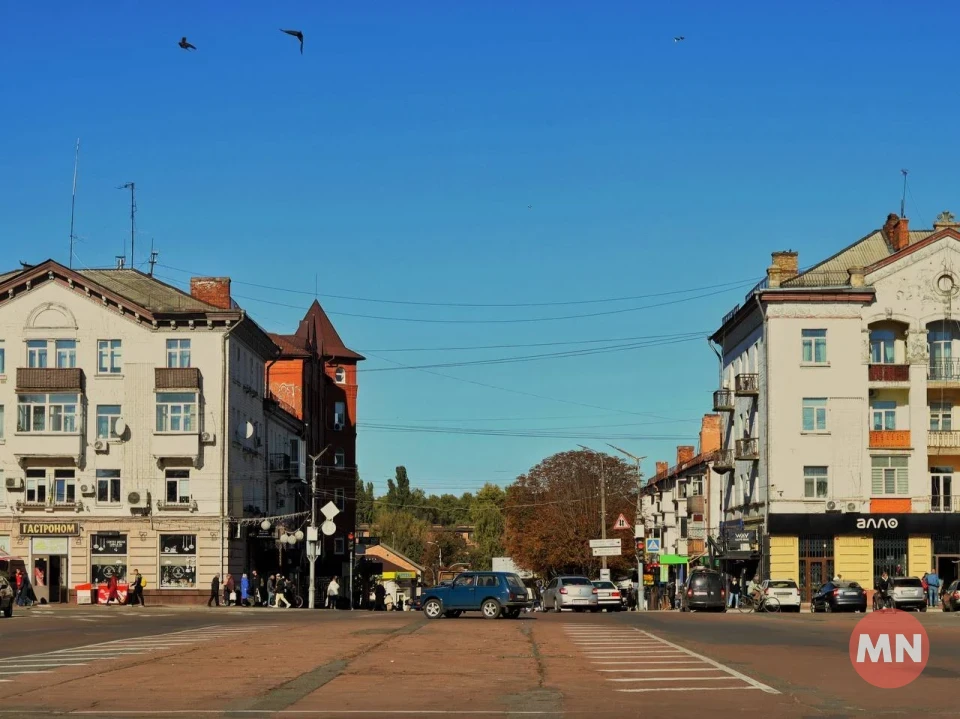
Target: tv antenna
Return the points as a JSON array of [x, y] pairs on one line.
[[903, 197], [133, 211], [73, 201], [153, 257]]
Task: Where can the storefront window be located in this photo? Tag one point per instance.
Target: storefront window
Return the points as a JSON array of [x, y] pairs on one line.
[[178, 561], [890, 555], [108, 557]]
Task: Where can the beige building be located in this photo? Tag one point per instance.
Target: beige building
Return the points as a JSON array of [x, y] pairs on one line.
[[839, 387], [132, 428]]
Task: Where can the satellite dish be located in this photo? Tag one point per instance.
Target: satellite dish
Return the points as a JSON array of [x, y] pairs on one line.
[[249, 430], [120, 427], [328, 528]]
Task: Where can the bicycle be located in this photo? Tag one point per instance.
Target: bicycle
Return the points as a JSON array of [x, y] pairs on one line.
[[882, 601], [764, 604]]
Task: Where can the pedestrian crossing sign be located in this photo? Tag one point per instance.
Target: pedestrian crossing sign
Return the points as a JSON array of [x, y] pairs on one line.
[[621, 523], [653, 546]]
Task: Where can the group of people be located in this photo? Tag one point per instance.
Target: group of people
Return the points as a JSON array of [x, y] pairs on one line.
[[933, 587], [258, 591], [735, 591]]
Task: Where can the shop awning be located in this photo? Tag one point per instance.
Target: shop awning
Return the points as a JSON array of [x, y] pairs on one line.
[[673, 559]]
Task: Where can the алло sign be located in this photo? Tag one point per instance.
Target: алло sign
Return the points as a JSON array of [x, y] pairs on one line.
[[50, 529]]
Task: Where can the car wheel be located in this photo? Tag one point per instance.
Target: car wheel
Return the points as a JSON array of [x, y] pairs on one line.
[[556, 606], [490, 608], [512, 613], [433, 609]]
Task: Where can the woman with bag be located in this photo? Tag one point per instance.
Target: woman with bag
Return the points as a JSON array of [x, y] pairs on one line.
[[229, 591]]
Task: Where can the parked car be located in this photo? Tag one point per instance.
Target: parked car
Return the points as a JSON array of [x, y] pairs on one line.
[[704, 591], [838, 596], [608, 595], [785, 590], [908, 593], [950, 599], [494, 594], [568, 592], [7, 595]]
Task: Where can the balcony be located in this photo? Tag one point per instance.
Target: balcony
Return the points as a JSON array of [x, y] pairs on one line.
[[695, 505], [188, 506], [49, 380], [942, 372], [940, 439], [724, 400], [747, 385], [723, 461], [888, 373], [177, 446], [49, 445], [696, 547], [748, 449], [941, 503], [890, 439], [174, 378], [279, 462]]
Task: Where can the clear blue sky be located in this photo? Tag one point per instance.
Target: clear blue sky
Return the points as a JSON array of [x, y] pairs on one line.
[[396, 159]]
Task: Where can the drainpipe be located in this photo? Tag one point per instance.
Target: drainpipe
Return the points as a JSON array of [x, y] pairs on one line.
[[765, 456], [224, 402]]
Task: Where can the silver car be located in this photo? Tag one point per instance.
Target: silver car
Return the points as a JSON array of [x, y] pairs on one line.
[[576, 593]]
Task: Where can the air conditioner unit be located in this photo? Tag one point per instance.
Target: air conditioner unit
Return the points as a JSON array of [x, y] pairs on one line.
[[833, 506], [137, 498], [851, 505], [87, 490], [14, 483], [101, 445], [207, 437]]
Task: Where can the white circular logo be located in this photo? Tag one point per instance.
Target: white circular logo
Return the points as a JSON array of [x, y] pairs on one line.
[[893, 523]]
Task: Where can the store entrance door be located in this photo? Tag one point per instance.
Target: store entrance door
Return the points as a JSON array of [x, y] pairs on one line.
[[948, 568], [50, 578], [813, 574]]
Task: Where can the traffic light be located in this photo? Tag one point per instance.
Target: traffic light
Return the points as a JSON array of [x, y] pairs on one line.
[[350, 537]]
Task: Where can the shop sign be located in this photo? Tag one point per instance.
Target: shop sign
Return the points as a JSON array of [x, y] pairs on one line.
[[877, 523], [50, 529], [648, 580], [50, 545], [740, 536], [102, 544]]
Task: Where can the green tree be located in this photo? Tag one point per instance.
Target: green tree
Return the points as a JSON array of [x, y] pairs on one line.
[[401, 530], [450, 545], [486, 515], [364, 501], [398, 489]]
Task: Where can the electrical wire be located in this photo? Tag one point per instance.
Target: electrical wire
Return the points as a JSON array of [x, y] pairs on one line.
[[703, 333]]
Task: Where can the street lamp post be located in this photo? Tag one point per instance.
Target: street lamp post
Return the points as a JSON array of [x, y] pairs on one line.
[[440, 560], [603, 499], [641, 593], [312, 534]]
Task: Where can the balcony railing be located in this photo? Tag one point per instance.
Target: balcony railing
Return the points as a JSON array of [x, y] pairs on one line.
[[748, 384], [944, 503], [944, 370], [279, 462], [943, 439], [748, 449], [889, 373], [723, 460], [724, 400], [49, 380], [890, 439], [177, 378]]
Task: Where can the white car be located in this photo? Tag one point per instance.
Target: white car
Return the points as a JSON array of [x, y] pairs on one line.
[[786, 592], [608, 595]]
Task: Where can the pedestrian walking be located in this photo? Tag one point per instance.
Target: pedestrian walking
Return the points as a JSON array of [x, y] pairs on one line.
[[272, 591], [214, 590], [933, 587], [135, 592], [333, 593], [255, 589], [244, 591], [281, 591], [113, 590], [379, 594], [229, 591], [734, 601]]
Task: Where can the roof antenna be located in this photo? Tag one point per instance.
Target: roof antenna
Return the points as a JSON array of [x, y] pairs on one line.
[[133, 211], [73, 201], [903, 197], [153, 257]]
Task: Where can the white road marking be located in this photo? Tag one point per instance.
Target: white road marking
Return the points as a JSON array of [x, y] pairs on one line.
[[684, 689], [688, 669], [675, 679]]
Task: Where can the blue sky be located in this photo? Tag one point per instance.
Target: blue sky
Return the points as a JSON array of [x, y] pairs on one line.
[[397, 157]]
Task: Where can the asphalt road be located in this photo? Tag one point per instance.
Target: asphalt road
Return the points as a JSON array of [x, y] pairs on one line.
[[120, 662]]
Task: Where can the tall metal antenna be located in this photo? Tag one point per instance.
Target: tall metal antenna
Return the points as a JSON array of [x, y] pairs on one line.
[[903, 197], [73, 201], [133, 211]]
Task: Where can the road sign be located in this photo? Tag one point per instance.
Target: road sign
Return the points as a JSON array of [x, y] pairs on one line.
[[599, 543], [638, 530], [653, 546], [605, 575], [328, 528], [621, 523], [329, 510], [606, 551], [312, 552]]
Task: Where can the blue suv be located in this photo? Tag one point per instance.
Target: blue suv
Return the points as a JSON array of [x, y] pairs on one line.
[[494, 594]]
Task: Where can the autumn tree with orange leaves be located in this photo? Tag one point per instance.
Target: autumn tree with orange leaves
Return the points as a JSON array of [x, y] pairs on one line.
[[553, 511]]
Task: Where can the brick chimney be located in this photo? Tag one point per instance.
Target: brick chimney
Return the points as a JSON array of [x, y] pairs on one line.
[[662, 467], [710, 433], [212, 290], [685, 453], [897, 232], [785, 266]]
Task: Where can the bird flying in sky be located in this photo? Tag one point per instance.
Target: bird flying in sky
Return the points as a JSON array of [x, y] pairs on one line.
[[185, 45], [679, 38], [297, 34]]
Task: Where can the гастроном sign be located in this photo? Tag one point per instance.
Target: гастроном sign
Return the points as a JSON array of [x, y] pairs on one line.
[[50, 529]]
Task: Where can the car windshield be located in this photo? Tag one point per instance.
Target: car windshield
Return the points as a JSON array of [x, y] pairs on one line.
[[514, 581], [907, 582], [604, 585], [782, 584], [577, 581]]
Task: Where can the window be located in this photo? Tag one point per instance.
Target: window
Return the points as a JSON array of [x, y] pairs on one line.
[[109, 356], [66, 353], [176, 412], [107, 416], [338, 498], [294, 452], [882, 347], [178, 486], [941, 416], [814, 343], [47, 413], [889, 475], [890, 555], [339, 459], [3, 359], [696, 487], [37, 354], [178, 561], [178, 353], [339, 415], [683, 527], [37, 486], [941, 489], [884, 415], [682, 490], [814, 414], [340, 376], [64, 487], [338, 545], [108, 486], [108, 557], [815, 482]]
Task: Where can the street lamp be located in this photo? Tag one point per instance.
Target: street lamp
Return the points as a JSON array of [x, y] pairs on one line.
[[312, 551], [641, 594], [603, 499]]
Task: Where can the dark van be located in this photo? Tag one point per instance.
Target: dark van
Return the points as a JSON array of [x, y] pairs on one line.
[[704, 591]]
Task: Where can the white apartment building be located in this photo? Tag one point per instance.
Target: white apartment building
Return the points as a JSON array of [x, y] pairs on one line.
[[132, 428], [839, 386]]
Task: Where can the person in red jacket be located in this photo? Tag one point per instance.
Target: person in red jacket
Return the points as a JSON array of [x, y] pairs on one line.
[[113, 595]]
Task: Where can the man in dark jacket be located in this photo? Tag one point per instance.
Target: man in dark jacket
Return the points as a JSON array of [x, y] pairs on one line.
[[214, 591]]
